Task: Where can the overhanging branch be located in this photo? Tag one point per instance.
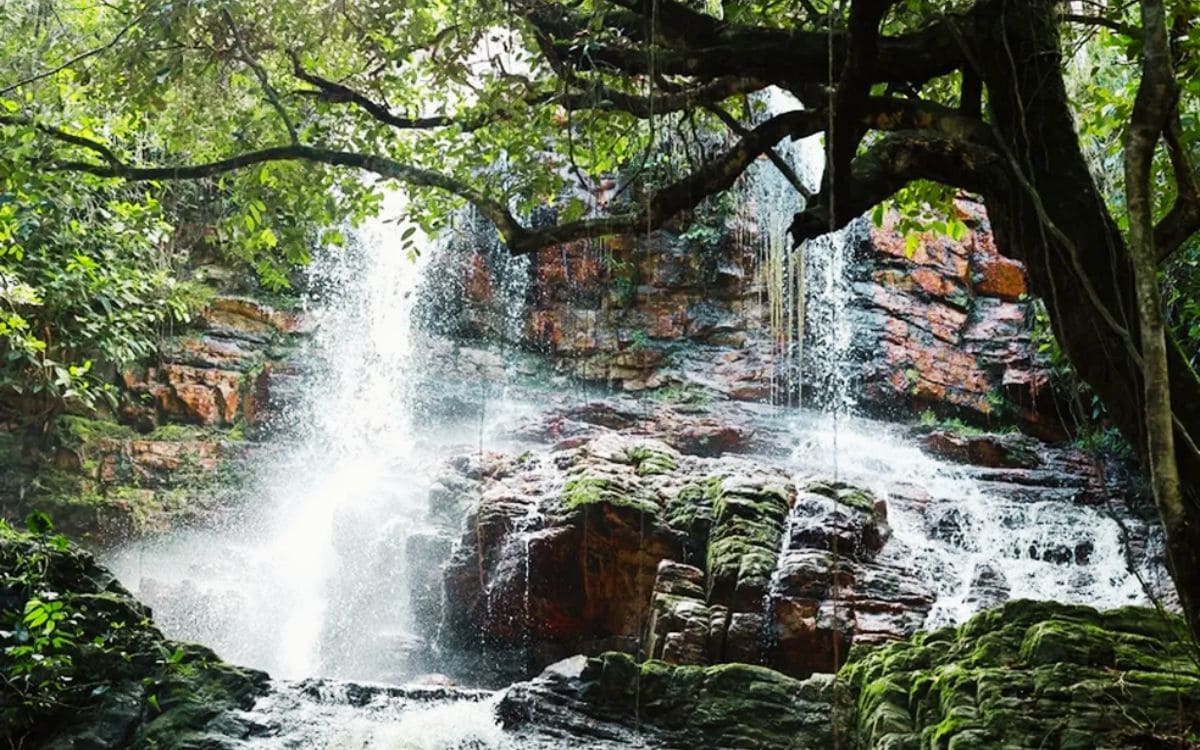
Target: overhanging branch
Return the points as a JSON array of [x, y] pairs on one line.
[[713, 177], [897, 160]]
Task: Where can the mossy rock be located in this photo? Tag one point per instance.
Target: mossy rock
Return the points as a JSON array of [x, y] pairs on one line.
[[122, 683], [75, 431], [586, 488], [1029, 675], [846, 494], [650, 458], [743, 546], [722, 706]]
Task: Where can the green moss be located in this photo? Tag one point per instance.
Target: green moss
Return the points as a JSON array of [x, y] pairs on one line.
[[649, 460], [684, 394], [690, 510], [1028, 674], [846, 494], [726, 706], [586, 489], [74, 431], [748, 525]]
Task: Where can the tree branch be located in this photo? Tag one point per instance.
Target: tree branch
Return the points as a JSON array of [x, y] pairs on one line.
[[1108, 23], [58, 134], [896, 160], [712, 178], [695, 45], [337, 93], [1183, 220], [382, 166], [263, 80], [784, 168]]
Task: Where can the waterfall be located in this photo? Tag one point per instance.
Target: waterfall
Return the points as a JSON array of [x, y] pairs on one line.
[[806, 289], [952, 530], [311, 576]]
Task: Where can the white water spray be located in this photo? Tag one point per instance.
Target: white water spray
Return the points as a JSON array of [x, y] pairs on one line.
[[311, 577]]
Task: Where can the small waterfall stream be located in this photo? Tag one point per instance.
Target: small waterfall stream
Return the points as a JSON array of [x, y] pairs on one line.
[[952, 529], [957, 530]]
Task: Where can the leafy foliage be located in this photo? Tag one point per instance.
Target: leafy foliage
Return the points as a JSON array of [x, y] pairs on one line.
[[39, 634], [86, 277]]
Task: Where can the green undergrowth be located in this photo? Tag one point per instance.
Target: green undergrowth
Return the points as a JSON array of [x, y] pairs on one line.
[[930, 420]]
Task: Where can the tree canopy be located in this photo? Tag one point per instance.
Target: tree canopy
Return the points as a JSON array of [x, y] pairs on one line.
[[1074, 121]]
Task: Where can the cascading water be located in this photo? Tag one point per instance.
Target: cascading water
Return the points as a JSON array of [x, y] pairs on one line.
[[960, 531], [952, 530], [311, 577], [806, 289]]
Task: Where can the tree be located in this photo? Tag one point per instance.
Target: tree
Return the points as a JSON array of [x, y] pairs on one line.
[[916, 100]]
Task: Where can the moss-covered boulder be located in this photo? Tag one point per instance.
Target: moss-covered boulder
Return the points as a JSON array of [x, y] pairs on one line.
[[84, 668], [1029, 675], [580, 550]]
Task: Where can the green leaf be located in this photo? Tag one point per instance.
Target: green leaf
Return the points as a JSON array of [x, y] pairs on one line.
[[878, 214], [39, 523], [912, 242]]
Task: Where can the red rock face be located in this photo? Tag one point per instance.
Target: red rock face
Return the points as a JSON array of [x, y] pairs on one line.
[[218, 377], [949, 329], [946, 327]]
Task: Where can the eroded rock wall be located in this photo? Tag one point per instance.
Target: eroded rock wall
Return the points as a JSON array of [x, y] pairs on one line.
[[941, 324], [176, 440]]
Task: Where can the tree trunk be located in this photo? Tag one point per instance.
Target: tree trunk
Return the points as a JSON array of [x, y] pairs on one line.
[[1053, 218]]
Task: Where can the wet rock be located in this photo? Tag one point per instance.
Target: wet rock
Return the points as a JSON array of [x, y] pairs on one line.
[[563, 558], [123, 686], [675, 556], [947, 328], [991, 450], [1030, 674], [694, 433], [989, 587], [726, 706], [106, 482]]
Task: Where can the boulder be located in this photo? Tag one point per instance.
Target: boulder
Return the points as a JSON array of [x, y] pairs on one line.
[[114, 680], [725, 706], [1029, 674]]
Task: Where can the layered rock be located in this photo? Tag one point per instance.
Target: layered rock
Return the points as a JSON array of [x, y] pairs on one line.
[[626, 543], [946, 325], [218, 376], [105, 481], [181, 430]]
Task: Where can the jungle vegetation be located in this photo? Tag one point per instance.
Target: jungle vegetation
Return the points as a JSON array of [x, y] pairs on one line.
[[1075, 122]]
